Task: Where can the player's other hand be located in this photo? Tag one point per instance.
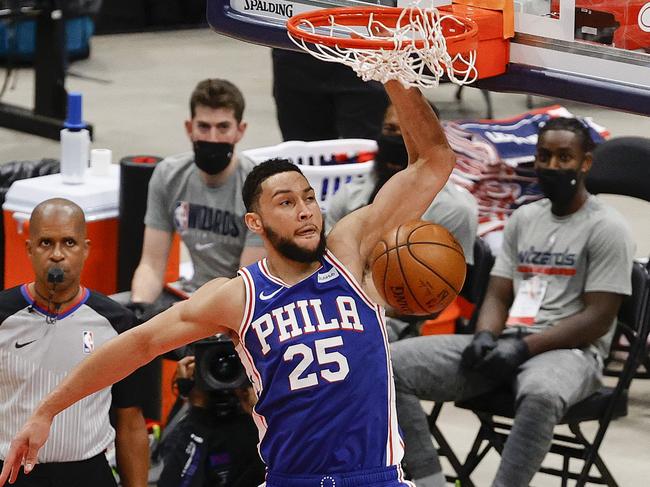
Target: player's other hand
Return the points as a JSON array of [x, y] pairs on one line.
[[377, 29], [24, 448], [185, 368], [484, 341]]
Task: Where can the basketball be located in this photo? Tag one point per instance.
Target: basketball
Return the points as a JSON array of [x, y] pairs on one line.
[[418, 268]]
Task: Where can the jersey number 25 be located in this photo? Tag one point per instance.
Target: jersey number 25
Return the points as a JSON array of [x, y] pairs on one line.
[[324, 355]]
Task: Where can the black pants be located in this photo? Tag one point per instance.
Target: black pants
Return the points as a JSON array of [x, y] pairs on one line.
[[316, 100], [93, 472]]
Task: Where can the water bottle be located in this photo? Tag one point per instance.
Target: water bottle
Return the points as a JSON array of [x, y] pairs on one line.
[[75, 143]]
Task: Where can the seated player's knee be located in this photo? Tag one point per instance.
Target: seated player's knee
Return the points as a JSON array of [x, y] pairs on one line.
[[544, 401]]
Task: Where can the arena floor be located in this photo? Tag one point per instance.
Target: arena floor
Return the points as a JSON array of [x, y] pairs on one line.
[[136, 90]]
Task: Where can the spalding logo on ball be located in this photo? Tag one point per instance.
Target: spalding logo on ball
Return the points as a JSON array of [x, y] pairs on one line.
[[418, 268]]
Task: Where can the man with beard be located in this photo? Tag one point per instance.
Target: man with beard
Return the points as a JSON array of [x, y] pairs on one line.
[[545, 325], [196, 194], [49, 326], [313, 344], [454, 207]]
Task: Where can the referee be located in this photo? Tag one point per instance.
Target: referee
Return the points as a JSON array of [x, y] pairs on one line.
[[46, 328]]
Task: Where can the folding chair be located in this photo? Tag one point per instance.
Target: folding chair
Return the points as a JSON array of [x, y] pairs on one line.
[[476, 282], [622, 166], [606, 404]]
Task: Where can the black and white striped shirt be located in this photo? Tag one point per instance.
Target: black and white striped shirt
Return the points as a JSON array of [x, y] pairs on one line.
[[36, 355]]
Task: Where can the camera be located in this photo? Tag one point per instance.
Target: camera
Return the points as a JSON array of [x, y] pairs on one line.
[[218, 367]]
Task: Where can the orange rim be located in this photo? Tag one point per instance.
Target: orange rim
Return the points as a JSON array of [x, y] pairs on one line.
[[457, 42]]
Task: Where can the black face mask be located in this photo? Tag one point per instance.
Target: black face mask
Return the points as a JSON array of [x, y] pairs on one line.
[[558, 185], [391, 149], [391, 158], [212, 157]]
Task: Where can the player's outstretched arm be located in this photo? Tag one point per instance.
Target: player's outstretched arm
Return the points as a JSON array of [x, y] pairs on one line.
[[216, 305], [408, 194]]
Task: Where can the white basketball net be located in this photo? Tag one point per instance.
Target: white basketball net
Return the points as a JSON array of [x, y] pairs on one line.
[[412, 66]]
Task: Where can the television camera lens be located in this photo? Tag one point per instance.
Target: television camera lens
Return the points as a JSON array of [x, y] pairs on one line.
[[225, 368], [218, 366]]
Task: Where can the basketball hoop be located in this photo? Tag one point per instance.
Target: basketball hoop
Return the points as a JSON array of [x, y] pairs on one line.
[[414, 45]]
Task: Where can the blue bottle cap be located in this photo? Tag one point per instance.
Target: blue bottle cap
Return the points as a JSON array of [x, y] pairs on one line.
[[74, 120]]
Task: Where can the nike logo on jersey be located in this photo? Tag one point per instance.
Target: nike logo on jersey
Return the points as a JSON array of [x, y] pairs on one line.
[[203, 246], [266, 297], [21, 345]]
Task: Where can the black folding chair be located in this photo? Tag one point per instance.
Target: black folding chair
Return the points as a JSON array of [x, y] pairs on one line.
[[622, 166], [476, 282], [606, 404]]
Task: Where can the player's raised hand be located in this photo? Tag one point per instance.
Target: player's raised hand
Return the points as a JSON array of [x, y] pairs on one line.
[[379, 30], [24, 448]]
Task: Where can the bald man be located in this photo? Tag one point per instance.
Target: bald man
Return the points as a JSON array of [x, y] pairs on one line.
[[46, 328]]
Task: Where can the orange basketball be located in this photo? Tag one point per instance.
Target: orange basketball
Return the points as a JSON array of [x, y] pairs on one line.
[[418, 268]]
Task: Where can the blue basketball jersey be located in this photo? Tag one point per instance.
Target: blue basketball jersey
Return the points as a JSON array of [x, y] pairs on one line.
[[317, 355]]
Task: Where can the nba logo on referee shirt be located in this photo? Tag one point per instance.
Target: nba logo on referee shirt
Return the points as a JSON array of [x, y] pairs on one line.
[[88, 342]]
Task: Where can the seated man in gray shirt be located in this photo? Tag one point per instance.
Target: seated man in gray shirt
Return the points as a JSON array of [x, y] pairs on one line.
[[198, 195], [545, 325], [454, 207]]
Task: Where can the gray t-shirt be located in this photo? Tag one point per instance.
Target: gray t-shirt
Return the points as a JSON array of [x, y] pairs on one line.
[[454, 208], [588, 251], [210, 220]]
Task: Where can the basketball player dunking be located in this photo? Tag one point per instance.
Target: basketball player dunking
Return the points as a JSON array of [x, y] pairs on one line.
[[313, 343]]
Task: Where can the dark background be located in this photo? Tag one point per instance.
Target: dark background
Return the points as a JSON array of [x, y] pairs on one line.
[[117, 16]]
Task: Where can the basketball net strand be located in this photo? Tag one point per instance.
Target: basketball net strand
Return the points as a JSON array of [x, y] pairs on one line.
[[405, 62]]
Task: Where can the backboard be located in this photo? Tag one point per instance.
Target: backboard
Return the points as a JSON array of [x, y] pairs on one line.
[[593, 51]]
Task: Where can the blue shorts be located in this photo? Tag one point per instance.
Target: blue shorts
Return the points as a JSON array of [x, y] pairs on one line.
[[378, 477]]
